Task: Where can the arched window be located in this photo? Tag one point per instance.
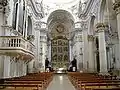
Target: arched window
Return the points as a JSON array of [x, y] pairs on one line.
[[21, 16], [29, 28], [15, 12]]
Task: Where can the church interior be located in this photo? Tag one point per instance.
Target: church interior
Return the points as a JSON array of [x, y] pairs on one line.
[[59, 45]]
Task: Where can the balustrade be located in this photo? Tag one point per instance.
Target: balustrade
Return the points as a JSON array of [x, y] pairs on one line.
[[16, 43]]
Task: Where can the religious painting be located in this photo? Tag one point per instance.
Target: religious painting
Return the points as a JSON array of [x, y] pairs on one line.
[[54, 58], [65, 49], [60, 50], [60, 57], [54, 42], [65, 57], [54, 49]]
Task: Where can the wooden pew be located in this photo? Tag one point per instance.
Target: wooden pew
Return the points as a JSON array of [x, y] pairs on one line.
[[83, 80], [40, 81], [36, 86]]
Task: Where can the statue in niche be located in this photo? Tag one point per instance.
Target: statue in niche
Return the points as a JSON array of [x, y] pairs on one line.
[[60, 42], [54, 49], [54, 42], [65, 57], [65, 49], [60, 57], [60, 49], [54, 57]]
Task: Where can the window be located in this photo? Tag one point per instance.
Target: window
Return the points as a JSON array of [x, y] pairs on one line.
[[21, 16], [15, 15]]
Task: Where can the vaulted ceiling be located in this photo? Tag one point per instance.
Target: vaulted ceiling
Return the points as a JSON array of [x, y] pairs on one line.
[[60, 22]]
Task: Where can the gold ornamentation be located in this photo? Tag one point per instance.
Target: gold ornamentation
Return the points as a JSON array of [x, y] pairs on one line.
[[90, 37], [116, 6], [3, 2]]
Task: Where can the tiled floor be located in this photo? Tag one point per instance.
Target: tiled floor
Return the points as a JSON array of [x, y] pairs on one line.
[[60, 82]]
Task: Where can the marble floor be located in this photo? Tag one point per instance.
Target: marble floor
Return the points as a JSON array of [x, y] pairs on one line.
[[60, 82]]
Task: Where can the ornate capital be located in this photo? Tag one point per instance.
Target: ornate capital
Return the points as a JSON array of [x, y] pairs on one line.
[[3, 2], [101, 27], [116, 6], [90, 37]]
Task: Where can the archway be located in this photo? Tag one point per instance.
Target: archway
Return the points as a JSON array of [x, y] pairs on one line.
[[108, 17], [60, 24]]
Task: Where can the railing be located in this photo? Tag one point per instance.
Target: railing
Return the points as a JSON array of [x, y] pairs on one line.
[[16, 42], [30, 47]]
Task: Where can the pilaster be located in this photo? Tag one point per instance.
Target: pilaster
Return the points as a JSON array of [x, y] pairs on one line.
[[116, 7], [85, 50], [91, 61]]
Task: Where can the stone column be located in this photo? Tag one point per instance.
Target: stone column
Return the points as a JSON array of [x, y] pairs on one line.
[[15, 71], [1, 66], [43, 49], [102, 47], [116, 7], [1, 19], [49, 50], [1, 34], [85, 50], [6, 73], [70, 51], [91, 61], [30, 66]]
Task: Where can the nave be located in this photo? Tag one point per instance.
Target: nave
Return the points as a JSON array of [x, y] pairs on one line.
[[60, 82]]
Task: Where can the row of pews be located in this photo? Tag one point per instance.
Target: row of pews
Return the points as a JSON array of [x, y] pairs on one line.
[[87, 81], [33, 81]]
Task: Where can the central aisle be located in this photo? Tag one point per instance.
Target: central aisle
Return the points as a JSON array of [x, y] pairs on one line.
[[60, 82]]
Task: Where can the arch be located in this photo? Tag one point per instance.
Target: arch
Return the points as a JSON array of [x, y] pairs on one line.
[[68, 14], [60, 23], [21, 15], [101, 11], [15, 12], [60, 17], [29, 28], [111, 16], [91, 30]]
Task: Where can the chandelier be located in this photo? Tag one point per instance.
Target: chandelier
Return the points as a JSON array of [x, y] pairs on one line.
[[3, 2]]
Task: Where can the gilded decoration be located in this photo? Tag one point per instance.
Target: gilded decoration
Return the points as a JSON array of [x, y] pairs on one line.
[[116, 6], [90, 37], [60, 52], [3, 2]]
